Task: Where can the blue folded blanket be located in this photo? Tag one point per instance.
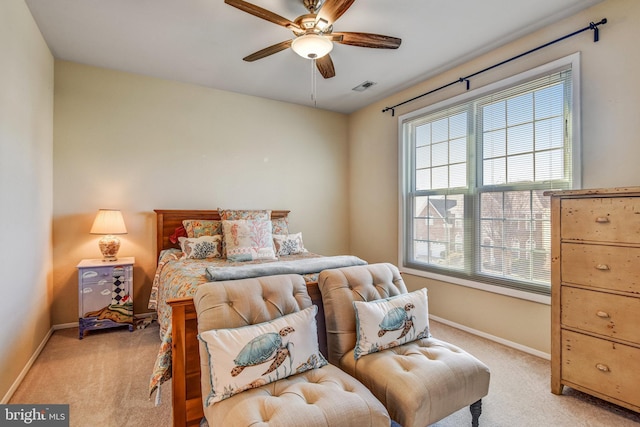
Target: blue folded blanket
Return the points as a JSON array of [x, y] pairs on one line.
[[300, 266]]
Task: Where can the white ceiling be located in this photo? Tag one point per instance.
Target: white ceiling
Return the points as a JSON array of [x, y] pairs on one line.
[[203, 42]]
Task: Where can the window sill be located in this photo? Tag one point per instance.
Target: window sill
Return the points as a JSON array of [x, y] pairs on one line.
[[528, 296]]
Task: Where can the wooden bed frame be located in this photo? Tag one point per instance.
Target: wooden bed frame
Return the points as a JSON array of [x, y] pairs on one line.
[[185, 358]]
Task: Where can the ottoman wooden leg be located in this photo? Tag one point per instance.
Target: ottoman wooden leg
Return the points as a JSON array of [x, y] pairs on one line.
[[476, 410]]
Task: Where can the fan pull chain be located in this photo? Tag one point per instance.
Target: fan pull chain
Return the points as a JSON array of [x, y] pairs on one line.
[[313, 82]]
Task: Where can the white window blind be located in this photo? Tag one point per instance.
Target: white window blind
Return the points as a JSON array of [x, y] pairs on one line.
[[473, 176]]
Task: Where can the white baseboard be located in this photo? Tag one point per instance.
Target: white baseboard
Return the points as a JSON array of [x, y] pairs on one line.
[[26, 368], [64, 326], [494, 338]]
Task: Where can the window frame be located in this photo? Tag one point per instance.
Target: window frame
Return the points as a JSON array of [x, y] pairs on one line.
[[405, 230]]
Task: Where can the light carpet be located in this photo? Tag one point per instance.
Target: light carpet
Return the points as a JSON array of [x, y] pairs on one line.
[[105, 377]]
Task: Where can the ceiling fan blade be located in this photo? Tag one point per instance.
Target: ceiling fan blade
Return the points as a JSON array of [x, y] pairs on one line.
[[331, 10], [325, 66], [262, 13], [268, 51], [369, 40]]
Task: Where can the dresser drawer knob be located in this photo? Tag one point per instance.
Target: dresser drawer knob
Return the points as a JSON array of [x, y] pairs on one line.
[[603, 368], [602, 219], [602, 314], [603, 267]]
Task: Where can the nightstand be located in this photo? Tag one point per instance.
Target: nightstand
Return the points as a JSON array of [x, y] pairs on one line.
[[105, 294]]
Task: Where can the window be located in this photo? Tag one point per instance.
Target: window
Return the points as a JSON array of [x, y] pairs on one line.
[[473, 173]]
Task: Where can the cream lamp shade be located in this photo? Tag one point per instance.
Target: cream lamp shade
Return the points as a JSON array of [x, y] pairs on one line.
[[311, 46], [109, 222]]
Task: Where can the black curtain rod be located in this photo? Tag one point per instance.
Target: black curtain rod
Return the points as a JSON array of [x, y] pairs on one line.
[[592, 26]]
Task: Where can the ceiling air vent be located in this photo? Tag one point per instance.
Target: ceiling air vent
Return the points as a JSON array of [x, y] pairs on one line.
[[363, 86]]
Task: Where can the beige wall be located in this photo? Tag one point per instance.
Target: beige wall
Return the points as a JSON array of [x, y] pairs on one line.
[[137, 143], [26, 129], [611, 149]]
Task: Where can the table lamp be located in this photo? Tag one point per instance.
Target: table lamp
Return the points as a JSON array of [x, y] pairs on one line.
[[109, 222]]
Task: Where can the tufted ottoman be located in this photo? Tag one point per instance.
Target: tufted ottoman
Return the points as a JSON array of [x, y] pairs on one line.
[[319, 397], [419, 382], [324, 397]]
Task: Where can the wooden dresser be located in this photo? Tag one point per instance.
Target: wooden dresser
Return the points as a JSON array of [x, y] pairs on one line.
[[595, 293]]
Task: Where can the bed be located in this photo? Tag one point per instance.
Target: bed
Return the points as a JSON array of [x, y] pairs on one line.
[[174, 285]]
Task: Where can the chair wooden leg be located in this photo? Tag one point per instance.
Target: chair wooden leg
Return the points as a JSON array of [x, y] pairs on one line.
[[476, 410]]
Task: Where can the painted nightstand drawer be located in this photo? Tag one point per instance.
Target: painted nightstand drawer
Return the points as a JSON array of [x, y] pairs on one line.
[[96, 275]]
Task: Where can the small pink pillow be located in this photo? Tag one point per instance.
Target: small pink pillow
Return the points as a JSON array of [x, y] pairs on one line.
[[179, 232]]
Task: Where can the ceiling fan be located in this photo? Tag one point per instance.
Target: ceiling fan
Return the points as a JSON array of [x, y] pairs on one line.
[[314, 36]]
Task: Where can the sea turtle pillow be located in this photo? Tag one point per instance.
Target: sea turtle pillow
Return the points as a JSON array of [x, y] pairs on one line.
[[391, 322], [251, 356]]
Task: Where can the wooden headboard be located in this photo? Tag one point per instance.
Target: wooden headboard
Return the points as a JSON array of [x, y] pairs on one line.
[[169, 220]]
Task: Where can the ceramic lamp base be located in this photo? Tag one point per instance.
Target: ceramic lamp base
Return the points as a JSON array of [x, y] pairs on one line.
[[109, 246]]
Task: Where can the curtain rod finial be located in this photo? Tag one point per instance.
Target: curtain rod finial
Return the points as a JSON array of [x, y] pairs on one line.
[[393, 110]]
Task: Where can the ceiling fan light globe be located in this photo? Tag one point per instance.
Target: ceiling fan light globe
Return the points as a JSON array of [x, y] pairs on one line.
[[311, 46]]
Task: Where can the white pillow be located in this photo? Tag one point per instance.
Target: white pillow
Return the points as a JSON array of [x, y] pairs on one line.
[[251, 356], [288, 244], [247, 240], [201, 247], [391, 322]]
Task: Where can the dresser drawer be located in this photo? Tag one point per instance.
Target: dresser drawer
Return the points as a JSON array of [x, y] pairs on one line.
[[601, 313], [97, 275], [602, 366], [601, 266], [602, 219]]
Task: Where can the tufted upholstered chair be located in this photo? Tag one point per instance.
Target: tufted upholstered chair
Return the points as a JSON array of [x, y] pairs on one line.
[[419, 382], [323, 397]]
